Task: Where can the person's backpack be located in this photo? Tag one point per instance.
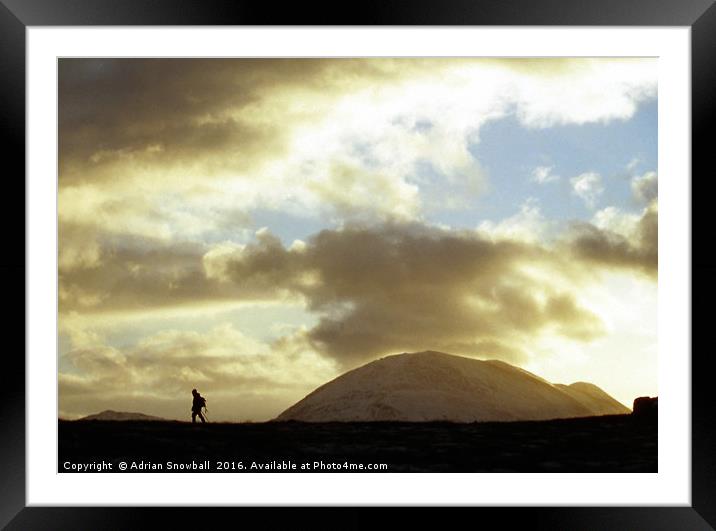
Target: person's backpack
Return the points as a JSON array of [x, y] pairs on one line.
[[202, 402]]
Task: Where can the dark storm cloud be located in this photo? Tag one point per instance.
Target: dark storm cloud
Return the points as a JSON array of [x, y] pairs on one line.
[[146, 274], [160, 111], [596, 247], [175, 112], [399, 287]]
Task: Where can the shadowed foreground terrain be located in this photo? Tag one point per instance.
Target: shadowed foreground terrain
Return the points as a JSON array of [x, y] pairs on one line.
[[615, 443]]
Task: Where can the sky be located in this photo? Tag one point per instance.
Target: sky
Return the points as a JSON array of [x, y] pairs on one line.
[[253, 228]]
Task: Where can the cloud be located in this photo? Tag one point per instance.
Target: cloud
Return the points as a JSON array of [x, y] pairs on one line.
[[615, 220], [528, 225], [633, 163], [79, 249], [619, 239], [598, 91], [588, 186], [543, 175], [645, 187], [141, 274], [625, 244], [401, 287], [161, 111]]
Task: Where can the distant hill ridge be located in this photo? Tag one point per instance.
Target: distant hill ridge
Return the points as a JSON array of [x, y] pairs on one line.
[[109, 414], [428, 386]]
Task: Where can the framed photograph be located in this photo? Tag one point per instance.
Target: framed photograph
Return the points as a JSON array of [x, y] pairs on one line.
[[418, 257]]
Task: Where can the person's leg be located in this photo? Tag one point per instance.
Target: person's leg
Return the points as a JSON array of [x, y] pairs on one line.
[[193, 417], [201, 417]]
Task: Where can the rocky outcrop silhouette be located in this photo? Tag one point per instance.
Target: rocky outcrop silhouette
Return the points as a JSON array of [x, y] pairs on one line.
[[646, 407]]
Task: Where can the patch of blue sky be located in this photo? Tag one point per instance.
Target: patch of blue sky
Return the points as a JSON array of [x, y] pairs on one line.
[[509, 152]]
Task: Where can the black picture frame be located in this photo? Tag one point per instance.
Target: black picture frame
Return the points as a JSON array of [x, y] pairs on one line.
[[17, 15]]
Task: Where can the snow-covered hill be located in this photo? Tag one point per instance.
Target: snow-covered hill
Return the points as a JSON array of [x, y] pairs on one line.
[[430, 385]]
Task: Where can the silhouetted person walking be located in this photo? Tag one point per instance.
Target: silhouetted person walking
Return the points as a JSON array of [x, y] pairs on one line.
[[197, 404]]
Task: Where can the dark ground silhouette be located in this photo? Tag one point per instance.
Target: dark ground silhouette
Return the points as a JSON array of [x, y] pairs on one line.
[[615, 443]]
